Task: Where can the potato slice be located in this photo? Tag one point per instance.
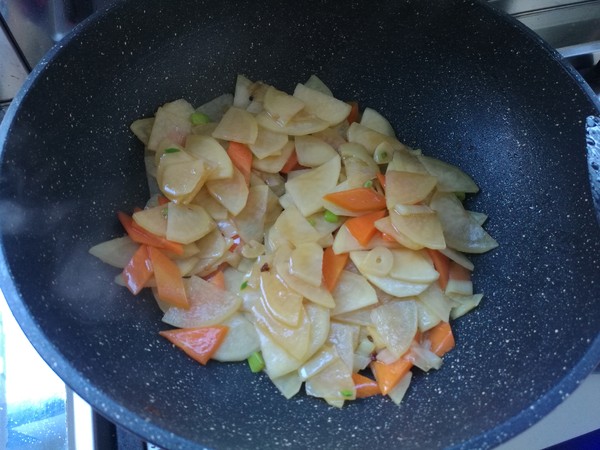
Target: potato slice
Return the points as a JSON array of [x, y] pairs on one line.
[[358, 163], [352, 292], [231, 193], [370, 139], [274, 163], [142, 129], [288, 384], [280, 106], [213, 245], [385, 226], [396, 323], [250, 222], [116, 252], [317, 294], [209, 149], [392, 286], [241, 340], [307, 190], [301, 124], [450, 178], [314, 82], [181, 181], [436, 301], [188, 223], [407, 187], [153, 219], [423, 228], [334, 383], [306, 263], [412, 266], [319, 331], [293, 227], [237, 125], [404, 160], [216, 210], [209, 305], [312, 151], [325, 107], [281, 303], [295, 341], [375, 121], [345, 339], [325, 356], [461, 231], [172, 122], [268, 143], [278, 362]]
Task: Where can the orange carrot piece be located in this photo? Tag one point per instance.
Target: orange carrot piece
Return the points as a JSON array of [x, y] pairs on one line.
[[458, 272], [381, 179], [142, 236], [363, 227], [138, 270], [389, 375], [354, 115], [365, 387], [442, 264], [441, 338], [291, 164], [357, 200], [198, 343], [241, 157], [217, 278], [333, 265], [162, 200], [168, 279]]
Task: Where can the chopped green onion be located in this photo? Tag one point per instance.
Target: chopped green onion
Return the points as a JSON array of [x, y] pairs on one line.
[[244, 285], [330, 217], [171, 150], [461, 196], [346, 393], [368, 184], [199, 118], [165, 212], [256, 362]]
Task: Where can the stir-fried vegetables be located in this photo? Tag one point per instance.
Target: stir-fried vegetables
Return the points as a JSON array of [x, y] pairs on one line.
[[294, 234]]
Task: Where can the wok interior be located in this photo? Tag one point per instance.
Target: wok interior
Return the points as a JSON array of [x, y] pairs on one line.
[[453, 78]]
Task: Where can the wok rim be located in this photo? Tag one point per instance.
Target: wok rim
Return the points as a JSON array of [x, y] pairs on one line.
[[109, 407]]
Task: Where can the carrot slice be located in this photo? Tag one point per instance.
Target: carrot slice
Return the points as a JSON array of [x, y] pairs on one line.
[[363, 227], [168, 279], [354, 115], [198, 343], [441, 338], [162, 200], [389, 375], [291, 163], [332, 267], [138, 270], [241, 157], [442, 264], [357, 200], [365, 387], [142, 236]]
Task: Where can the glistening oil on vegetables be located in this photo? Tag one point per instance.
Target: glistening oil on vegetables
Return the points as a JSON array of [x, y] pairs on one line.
[[297, 233]]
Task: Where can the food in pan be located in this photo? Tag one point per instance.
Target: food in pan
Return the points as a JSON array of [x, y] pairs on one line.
[[297, 233]]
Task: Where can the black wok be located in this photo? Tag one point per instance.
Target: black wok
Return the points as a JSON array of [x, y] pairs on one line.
[[460, 81]]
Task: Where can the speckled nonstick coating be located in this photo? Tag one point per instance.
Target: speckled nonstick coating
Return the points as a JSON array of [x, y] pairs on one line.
[[456, 79]]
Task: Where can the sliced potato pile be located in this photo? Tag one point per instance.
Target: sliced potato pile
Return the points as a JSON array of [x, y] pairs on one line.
[[324, 244]]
